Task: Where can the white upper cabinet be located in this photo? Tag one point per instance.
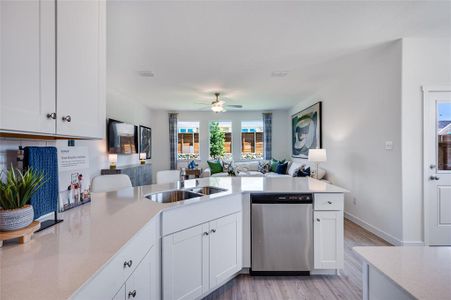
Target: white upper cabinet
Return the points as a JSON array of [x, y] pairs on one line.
[[81, 68], [50, 70], [27, 66]]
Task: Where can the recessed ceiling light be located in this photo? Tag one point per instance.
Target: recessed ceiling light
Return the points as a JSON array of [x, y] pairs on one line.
[[279, 73], [146, 73]]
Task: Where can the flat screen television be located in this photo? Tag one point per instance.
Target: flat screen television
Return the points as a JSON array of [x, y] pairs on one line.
[[122, 138]]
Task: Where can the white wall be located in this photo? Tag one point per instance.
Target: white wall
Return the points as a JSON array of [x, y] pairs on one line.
[[361, 110], [424, 62], [280, 130]]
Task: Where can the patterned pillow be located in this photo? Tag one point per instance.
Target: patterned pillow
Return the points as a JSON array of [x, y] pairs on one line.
[[302, 172], [229, 167], [264, 166]]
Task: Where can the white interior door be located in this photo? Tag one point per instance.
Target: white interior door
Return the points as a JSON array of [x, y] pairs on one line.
[[437, 150]]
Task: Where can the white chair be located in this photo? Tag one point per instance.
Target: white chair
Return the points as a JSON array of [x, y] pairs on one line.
[[168, 176], [110, 183]]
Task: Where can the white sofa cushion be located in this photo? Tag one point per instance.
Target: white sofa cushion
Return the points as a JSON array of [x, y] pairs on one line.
[[274, 174], [250, 174], [246, 166]]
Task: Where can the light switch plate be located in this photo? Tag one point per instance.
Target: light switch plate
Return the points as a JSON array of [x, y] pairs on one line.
[[388, 145]]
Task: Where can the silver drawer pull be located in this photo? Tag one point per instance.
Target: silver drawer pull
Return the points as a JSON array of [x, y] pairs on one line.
[[67, 118], [213, 230], [128, 263], [51, 116], [330, 202], [318, 220], [205, 233], [132, 294]]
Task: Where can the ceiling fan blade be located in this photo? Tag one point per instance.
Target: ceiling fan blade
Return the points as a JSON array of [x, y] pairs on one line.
[[234, 105]]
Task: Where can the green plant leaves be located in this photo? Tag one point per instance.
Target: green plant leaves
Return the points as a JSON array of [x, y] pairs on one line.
[[19, 187]]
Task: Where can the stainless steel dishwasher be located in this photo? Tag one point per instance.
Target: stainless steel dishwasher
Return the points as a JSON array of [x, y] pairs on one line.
[[281, 234]]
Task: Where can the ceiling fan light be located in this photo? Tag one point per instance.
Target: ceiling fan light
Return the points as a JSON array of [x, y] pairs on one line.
[[217, 108]]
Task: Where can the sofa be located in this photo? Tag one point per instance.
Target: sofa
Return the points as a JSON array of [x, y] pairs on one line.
[[250, 169]]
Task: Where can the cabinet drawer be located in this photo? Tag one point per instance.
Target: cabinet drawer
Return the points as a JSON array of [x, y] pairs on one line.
[[114, 274], [328, 202]]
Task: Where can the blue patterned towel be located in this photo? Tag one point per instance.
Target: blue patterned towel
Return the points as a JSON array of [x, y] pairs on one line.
[[44, 159]]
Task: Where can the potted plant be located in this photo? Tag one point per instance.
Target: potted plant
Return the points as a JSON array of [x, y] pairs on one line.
[[15, 193]]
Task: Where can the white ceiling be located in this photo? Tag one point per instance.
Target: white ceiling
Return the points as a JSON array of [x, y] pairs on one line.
[[197, 48]]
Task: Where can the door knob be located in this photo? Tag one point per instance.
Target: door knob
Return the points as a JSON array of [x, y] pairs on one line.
[[434, 177], [51, 116], [67, 118]]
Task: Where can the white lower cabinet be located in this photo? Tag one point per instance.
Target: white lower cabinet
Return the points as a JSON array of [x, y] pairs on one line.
[[133, 273], [328, 239], [139, 285], [198, 259]]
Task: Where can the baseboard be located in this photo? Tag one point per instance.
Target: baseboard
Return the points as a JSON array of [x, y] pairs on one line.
[[374, 230]]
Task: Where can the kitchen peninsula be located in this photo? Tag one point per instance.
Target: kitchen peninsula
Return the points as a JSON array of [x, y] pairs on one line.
[[124, 245]]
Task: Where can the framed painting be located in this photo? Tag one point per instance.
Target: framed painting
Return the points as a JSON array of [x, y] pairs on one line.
[[306, 131], [145, 141]]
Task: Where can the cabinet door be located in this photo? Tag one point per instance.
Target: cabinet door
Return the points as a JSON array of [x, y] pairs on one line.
[[81, 68], [27, 66], [138, 285], [185, 263], [328, 239], [225, 248], [121, 294]]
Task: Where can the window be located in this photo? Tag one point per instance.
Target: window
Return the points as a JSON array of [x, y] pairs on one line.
[[221, 139], [252, 140], [188, 140]]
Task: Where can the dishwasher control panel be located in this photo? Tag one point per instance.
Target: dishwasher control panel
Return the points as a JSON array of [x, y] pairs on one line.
[[288, 198]]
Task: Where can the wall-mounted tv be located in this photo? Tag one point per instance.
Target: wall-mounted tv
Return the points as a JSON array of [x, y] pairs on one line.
[[122, 138]]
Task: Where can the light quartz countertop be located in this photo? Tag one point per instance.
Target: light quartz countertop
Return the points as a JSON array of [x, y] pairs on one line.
[[423, 272], [58, 260]]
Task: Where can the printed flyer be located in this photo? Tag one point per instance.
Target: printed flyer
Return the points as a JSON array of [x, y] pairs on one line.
[[74, 179]]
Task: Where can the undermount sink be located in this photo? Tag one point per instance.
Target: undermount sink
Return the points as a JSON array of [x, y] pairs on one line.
[[207, 190], [172, 196], [180, 195]]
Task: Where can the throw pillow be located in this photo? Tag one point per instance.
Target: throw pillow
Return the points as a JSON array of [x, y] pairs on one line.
[[275, 163], [264, 166], [282, 168], [302, 172], [215, 166], [229, 167]]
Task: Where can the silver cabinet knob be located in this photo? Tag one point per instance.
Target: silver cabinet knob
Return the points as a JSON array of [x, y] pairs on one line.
[[330, 202], [132, 294], [318, 220], [434, 177], [128, 263], [206, 233], [67, 118], [51, 116], [213, 230]]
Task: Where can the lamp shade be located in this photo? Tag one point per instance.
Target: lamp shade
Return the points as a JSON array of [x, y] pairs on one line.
[[317, 155], [112, 158]]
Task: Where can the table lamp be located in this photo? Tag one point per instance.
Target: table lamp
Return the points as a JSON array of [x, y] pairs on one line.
[[113, 160], [317, 156], [142, 157]]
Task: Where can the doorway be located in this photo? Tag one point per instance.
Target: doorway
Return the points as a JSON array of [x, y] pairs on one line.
[[437, 166]]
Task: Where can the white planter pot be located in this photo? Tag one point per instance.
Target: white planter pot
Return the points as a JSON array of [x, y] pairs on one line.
[[13, 219]]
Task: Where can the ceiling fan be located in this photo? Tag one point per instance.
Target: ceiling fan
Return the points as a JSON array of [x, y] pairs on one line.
[[219, 105]]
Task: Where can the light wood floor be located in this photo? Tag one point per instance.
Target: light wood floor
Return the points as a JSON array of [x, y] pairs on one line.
[[348, 285]]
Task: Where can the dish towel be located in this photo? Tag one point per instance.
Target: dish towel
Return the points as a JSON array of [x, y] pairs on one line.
[[44, 159]]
